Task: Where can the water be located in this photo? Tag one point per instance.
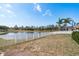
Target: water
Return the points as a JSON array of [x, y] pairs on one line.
[[22, 35], [13, 38]]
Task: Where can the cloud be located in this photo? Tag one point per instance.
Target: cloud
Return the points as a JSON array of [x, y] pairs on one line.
[[37, 7], [47, 13], [2, 15], [10, 13], [0, 7], [8, 5], [7, 10]]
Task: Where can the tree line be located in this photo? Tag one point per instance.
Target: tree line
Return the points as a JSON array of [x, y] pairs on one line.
[[61, 23], [32, 28]]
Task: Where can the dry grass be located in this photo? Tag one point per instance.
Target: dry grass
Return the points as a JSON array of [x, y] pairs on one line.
[[6, 42], [58, 45]]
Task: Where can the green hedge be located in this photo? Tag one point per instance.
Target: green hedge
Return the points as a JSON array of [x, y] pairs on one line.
[[75, 36]]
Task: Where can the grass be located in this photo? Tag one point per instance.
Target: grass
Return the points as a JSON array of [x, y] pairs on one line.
[[4, 42], [1, 33], [50, 45]]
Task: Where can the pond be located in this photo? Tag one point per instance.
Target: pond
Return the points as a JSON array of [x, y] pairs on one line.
[[13, 38], [23, 35]]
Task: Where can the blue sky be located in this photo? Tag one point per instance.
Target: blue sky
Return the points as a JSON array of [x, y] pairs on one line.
[[36, 14]]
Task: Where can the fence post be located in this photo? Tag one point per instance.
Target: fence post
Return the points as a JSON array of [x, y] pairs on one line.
[[33, 35], [38, 35], [15, 39]]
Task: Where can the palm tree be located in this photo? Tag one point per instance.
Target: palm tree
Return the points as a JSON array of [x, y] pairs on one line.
[[66, 21], [78, 23], [59, 23], [73, 24]]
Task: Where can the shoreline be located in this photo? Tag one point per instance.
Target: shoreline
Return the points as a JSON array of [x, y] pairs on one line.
[[2, 33]]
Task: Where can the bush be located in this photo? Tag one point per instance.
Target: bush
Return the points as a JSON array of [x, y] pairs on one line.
[[75, 36]]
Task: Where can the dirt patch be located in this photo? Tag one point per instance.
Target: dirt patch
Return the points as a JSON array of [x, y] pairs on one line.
[[53, 45]]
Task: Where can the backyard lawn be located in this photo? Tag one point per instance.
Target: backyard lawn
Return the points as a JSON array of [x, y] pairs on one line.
[[53, 45]]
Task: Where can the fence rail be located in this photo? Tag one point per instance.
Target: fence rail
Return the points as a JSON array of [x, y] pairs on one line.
[[30, 36]]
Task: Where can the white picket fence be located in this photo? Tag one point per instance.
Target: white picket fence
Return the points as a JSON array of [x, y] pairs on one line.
[[32, 36], [40, 35]]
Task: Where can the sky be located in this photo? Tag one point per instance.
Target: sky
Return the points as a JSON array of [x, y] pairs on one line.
[[36, 14]]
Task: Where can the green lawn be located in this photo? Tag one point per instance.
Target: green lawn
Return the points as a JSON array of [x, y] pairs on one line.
[[1, 33]]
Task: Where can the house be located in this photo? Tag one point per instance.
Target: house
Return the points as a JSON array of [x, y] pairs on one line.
[[76, 27], [68, 28]]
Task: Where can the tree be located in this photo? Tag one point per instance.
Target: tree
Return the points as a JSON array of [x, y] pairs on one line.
[[78, 23], [59, 23], [22, 27], [4, 28], [66, 21], [16, 27], [49, 27], [73, 24]]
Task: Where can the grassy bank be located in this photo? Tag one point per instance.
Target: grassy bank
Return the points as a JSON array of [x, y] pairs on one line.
[[1, 33], [50, 45]]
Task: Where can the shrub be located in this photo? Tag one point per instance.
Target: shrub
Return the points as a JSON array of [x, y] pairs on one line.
[[75, 36]]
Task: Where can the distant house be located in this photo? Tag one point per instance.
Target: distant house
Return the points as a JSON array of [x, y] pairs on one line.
[[76, 27], [68, 28]]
